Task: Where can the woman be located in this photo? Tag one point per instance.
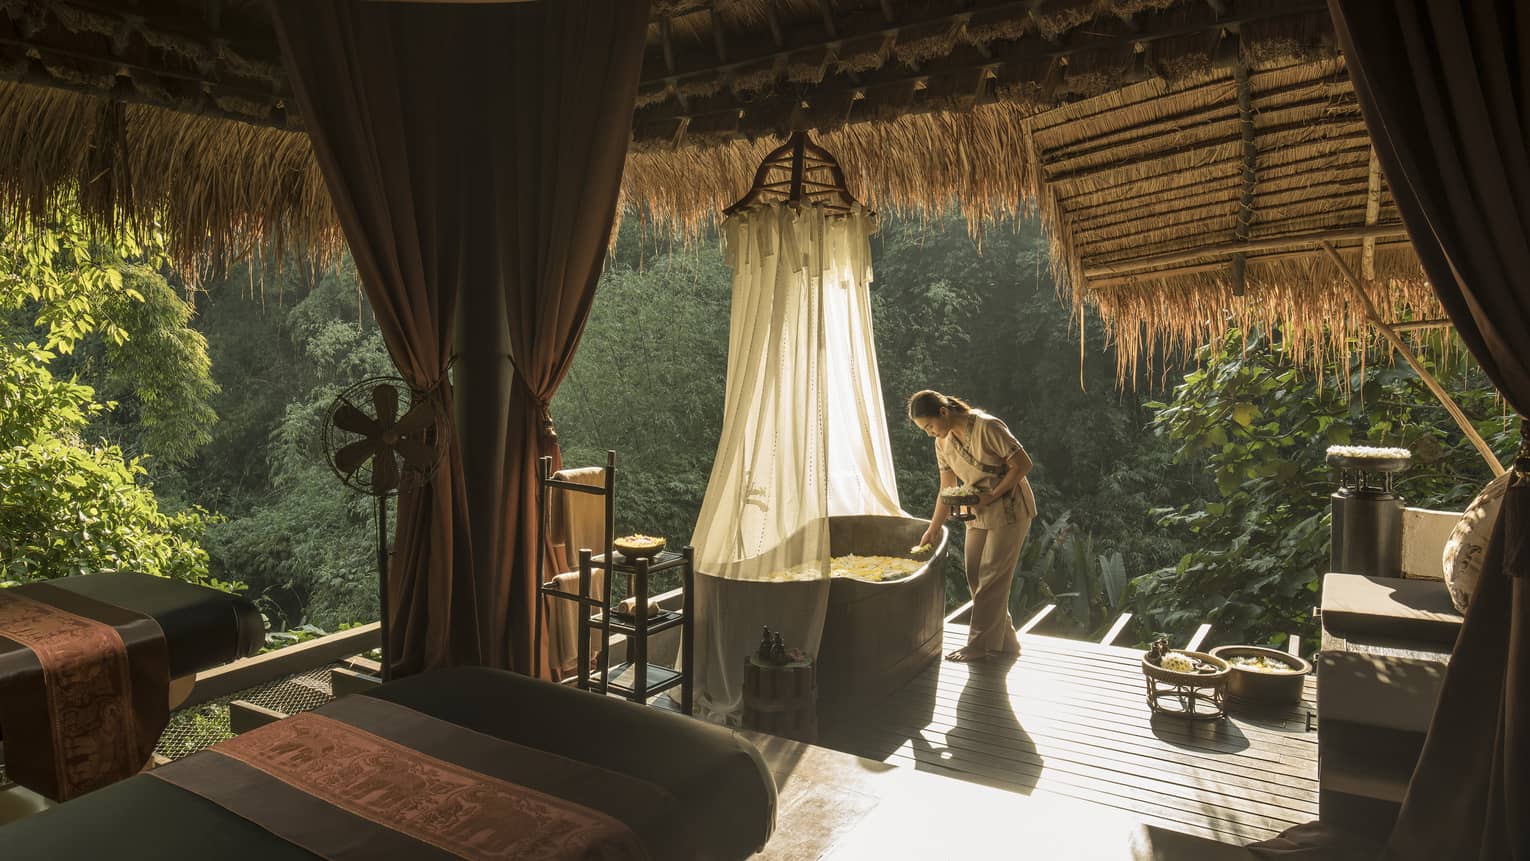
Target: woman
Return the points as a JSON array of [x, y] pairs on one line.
[[975, 449]]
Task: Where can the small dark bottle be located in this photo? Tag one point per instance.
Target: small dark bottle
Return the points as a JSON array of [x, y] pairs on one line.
[[778, 651]]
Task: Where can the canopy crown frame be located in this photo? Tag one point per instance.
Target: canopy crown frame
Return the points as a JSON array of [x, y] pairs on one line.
[[799, 172]]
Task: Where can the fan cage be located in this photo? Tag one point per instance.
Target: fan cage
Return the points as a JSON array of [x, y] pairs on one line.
[[359, 396]]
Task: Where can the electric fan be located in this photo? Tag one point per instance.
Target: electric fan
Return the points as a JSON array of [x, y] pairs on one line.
[[378, 452]]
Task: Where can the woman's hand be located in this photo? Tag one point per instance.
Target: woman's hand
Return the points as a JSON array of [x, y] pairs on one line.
[[986, 499], [930, 536]]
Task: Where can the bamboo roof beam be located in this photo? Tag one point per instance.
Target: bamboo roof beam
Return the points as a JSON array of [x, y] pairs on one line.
[[1153, 242], [1250, 177], [1218, 112], [1333, 163], [190, 64], [1401, 346], [1411, 325], [1166, 159], [1372, 213], [871, 32], [1168, 167], [1398, 243], [1087, 221], [1141, 266]]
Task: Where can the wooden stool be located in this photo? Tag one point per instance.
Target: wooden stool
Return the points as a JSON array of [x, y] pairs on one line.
[[781, 700]]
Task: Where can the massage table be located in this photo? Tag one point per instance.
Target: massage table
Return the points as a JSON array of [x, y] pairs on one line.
[[204, 628], [171, 631], [684, 788]]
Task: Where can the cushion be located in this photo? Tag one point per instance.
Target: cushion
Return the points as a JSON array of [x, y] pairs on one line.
[[1467, 545], [1389, 607], [1377, 691]]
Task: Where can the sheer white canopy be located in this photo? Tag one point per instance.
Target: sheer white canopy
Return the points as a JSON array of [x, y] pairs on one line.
[[804, 436]]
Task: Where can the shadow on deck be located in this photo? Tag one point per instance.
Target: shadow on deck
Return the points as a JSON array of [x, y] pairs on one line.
[[1070, 718]]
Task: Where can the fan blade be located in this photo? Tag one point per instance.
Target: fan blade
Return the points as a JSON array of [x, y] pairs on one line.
[[384, 473], [350, 458], [417, 455], [349, 418], [385, 401], [419, 417]]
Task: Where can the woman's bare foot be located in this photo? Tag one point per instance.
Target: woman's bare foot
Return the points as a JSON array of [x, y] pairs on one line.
[[966, 655]]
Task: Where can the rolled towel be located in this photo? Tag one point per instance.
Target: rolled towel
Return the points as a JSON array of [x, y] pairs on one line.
[[629, 608]]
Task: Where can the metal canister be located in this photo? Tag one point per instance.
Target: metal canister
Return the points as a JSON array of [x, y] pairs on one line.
[[1366, 534]]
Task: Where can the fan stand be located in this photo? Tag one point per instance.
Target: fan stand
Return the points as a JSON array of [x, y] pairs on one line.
[[382, 586], [385, 434], [799, 171]]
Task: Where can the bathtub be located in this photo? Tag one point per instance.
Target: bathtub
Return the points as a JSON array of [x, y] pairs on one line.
[[878, 636]]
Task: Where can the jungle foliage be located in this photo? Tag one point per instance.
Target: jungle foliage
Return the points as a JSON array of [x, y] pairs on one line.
[[75, 463], [131, 408], [1261, 429]]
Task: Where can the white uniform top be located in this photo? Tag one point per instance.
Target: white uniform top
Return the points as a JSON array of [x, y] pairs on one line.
[[981, 461]]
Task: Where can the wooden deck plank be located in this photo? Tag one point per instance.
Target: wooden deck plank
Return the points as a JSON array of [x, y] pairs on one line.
[[1069, 718], [1043, 734], [1052, 700], [1096, 676], [1103, 659], [1052, 695], [835, 806], [1027, 765], [1178, 813], [1163, 760], [1041, 675], [1117, 773]]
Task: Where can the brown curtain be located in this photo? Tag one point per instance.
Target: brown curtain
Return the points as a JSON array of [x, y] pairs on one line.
[[380, 108], [473, 153], [565, 146], [1445, 89]]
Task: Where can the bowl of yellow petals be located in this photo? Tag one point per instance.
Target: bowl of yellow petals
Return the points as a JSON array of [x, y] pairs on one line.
[[639, 546], [1264, 675]]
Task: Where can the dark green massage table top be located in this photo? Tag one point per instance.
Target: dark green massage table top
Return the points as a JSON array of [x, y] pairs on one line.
[[724, 795], [204, 628]]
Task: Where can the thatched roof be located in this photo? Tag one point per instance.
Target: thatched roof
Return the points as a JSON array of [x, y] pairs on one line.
[[1160, 140]]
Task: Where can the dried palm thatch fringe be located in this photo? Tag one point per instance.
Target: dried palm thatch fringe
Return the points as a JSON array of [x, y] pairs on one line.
[[1137, 171], [216, 190], [1306, 298], [930, 163]]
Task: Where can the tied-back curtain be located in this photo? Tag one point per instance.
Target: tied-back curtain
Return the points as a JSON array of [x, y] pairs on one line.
[[563, 136], [384, 109], [1445, 89], [804, 436], [474, 154]]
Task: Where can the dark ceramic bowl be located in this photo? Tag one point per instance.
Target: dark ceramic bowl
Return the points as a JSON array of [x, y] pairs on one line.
[[1283, 688]]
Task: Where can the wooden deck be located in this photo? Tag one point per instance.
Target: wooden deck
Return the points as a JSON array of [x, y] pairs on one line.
[[1070, 718], [838, 807]]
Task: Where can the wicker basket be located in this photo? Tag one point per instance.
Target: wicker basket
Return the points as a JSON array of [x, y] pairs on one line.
[[1198, 696]]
